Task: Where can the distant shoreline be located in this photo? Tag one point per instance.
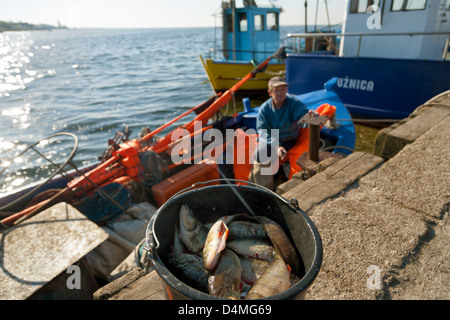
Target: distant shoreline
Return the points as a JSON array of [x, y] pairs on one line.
[[23, 26]]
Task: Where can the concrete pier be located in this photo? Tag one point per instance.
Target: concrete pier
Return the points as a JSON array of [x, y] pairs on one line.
[[387, 235], [383, 218]]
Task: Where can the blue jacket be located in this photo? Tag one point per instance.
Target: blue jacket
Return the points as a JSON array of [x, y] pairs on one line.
[[285, 119]]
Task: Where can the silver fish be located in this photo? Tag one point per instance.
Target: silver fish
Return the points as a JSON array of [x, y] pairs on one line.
[[246, 230], [274, 280], [214, 244], [188, 267], [225, 281], [252, 248], [193, 233], [216, 241]]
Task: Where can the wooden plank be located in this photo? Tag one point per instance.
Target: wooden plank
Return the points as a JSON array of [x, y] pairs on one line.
[[333, 180], [148, 287], [355, 157], [357, 169], [37, 250], [322, 177], [135, 285], [112, 288]]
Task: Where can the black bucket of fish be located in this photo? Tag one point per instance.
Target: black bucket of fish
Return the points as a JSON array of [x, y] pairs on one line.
[[233, 241]]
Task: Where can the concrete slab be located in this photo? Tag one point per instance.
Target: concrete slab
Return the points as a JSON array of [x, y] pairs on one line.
[[427, 273], [392, 139], [418, 177], [375, 232], [417, 126], [361, 233], [40, 248]]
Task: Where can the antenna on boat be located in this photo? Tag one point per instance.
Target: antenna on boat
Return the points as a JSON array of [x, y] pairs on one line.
[[328, 16], [306, 16]]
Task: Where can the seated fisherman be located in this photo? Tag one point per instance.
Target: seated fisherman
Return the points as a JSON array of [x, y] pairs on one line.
[[279, 114]]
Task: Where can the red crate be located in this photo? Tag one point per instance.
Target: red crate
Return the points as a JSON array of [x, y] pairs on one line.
[[204, 171]]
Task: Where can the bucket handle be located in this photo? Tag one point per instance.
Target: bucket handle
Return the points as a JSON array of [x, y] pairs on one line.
[[151, 241], [216, 180]]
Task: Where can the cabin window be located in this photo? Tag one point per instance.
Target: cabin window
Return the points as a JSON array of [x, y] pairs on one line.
[[408, 5], [259, 22], [243, 23], [360, 6], [447, 5], [272, 21]]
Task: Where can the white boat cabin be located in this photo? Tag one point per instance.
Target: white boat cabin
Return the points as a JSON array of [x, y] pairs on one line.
[[404, 29]]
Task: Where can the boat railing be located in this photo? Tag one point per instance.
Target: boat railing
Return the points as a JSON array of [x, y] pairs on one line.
[[213, 52], [312, 42], [300, 40]]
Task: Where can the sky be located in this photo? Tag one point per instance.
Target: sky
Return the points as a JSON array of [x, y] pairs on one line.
[[153, 13]]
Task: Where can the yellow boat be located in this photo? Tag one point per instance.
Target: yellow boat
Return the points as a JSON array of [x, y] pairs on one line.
[[250, 34], [224, 74]]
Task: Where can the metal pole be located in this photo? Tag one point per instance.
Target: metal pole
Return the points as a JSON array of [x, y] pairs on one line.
[[306, 16], [233, 19], [447, 43], [328, 16], [359, 46]]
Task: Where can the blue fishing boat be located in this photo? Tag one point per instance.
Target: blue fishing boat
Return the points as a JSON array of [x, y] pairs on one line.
[[393, 56], [248, 34]]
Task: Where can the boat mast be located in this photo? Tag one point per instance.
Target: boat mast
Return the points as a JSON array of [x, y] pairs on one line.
[[233, 19], [328, 15], [306, 16], [317, 13], [228, 25]]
